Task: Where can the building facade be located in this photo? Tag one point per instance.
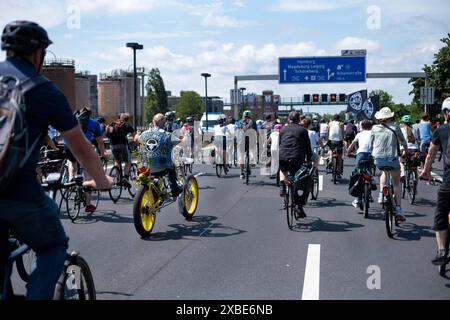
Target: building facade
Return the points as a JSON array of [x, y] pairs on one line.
[[62, 73]]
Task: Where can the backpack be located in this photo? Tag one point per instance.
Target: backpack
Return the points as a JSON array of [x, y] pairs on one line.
[[356, 184], [350, 129], [115, 130], [158, 148], [83, 119], [15, 148]]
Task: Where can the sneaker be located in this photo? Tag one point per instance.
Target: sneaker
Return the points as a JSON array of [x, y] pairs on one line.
[[90, 208], [380, 198], [300, 212], [355, 203], [440, 258], [399, 217], [242, 176]]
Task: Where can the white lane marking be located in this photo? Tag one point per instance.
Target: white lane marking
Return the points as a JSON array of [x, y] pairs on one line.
[[321, 161], [311, 283], [321, 183]]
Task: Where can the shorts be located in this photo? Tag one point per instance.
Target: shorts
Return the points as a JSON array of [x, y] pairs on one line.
[[338, 145], [442, 210], [324, 136], [388, 162], [424, 146], [121, 153]]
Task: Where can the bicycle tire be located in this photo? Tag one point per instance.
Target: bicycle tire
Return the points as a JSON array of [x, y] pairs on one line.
[[315, 190], [404, 186], [144, 228], [24, 264], [104, 165], [218, 170], [116, 191], [367, 192], [247, 168], [133, 180], [87, 291], [334, 178], [289, 199], [389, 218], [189, 199], [73, 202], [412, 186]]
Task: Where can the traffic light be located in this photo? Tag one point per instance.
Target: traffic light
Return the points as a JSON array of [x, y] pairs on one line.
[[324, 98], [315, 98], [306, 98], [342, 97], [333, 97]]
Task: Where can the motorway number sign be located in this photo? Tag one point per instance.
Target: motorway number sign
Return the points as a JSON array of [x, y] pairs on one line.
[[362, 52], [426, 95], [312, 70]]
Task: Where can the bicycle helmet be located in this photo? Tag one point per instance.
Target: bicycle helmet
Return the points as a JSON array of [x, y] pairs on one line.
[[407, 119], [24, 37], [190, 119], [446, 105], [247, 114]]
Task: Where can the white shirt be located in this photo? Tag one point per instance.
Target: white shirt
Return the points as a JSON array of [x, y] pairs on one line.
[[232, 129], [220, 131], [313, 138], [323, 128], [363, 139], [336, 133]]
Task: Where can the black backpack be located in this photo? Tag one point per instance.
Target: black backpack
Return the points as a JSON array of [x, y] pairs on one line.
[[83, 117], [15, 148]]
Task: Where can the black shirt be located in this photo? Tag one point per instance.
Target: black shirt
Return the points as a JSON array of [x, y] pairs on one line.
[[122, 138], [295, 143], [46, 105], [441, 138]]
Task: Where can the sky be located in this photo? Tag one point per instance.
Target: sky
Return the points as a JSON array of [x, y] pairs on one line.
[[241, 37]]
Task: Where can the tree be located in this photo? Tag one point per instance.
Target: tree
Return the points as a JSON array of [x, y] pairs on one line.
[[439, 77], [156, 101], [385, 98], [190, 104]]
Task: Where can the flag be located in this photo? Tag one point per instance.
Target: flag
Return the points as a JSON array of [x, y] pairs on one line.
[[356, 101], [369, 108]]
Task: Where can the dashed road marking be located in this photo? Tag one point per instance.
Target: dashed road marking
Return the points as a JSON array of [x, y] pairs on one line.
[[311, 283], [321, 183]]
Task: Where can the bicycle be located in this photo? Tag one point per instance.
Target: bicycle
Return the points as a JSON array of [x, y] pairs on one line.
[[75, 283], [291, 182], [75, 196], [119, 182], [315, 184], [389, 203], [332, 166], [247, 170], [153, 195], [365, 199], [409, 184], [220, 167]]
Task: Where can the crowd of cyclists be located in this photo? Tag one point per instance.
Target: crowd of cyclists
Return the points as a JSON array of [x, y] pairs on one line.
[[291, 144]]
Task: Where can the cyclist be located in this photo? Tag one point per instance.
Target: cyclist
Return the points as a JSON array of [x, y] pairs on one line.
[[314, 139], [157, 146], [221, 134], [336, 143], [32, 215], [364, 151], [231, 142], [246, 124], [170, 125], [408, 134], [386, 139], [424, 130], [350, 133], [118, 132], [441, 141], [324, 128], [295, 150], [92, 132]]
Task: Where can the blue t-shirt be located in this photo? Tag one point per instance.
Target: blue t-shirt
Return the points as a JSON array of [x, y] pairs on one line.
[[46, 105], [94, 130], [425, 132]]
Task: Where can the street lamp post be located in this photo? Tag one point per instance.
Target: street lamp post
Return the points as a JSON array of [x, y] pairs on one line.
[[243, 101], [135, 46], [206, 76]]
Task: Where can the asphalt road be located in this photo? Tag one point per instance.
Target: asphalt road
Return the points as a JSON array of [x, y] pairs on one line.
[[238, 246]]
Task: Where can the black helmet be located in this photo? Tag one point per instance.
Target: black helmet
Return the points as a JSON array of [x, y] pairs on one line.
[[24, 37]]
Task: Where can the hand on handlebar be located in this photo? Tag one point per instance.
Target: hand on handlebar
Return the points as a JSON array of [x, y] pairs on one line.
[[424, 175]]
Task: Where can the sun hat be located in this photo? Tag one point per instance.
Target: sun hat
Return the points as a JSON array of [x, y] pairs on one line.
[[384, 113], [446, 105]]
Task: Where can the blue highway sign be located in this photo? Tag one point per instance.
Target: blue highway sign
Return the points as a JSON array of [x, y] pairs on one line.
[[322, 69]]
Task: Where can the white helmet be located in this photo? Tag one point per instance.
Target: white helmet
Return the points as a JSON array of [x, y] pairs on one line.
[[446, 104]]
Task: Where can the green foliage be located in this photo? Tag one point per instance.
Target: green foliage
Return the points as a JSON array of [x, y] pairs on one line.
[[439, 77], [156, 100], [190, 104]]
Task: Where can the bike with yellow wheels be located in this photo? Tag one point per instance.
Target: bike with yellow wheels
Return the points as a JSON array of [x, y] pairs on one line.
[[154, 194]]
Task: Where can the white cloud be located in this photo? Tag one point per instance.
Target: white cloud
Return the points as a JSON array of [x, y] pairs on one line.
[[310, 5], [239, 4], [217, 21], [119, 7], [143, 35]]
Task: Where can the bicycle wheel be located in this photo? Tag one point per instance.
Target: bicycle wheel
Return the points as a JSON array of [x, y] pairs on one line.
[[389, 218], [189, 198], [74, 198], [334, 171], [116, 190], [412, 186], [367, 192], [247, 168], [133, 180], [315, 189], [76, 282], [104, 165], [289, 201], [25, 264], [144, 211], [404, 184], [219, 169]]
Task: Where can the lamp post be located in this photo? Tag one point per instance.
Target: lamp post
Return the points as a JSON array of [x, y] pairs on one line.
[[135, 46], [206, 76], [243, 101]]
